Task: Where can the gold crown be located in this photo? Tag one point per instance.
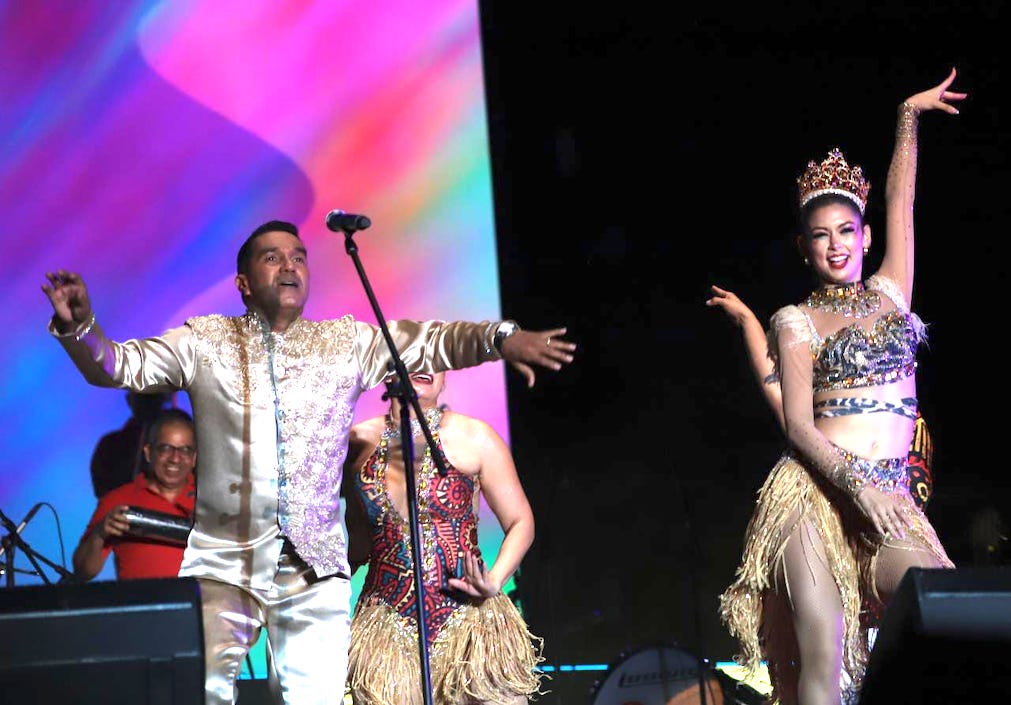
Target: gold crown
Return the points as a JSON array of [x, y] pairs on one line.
[[834, 175]]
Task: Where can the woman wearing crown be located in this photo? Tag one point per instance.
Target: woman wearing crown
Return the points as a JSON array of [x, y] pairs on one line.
[[834, 524]]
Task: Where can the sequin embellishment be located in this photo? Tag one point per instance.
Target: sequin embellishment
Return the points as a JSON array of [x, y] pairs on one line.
[[851, 300]]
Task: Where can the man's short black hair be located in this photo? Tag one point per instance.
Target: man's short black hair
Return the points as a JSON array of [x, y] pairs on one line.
[[246, 251], [172, 415]]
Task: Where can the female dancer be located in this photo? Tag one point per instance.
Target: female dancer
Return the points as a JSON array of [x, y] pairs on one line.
[[834, 523], [480, 651], [919, 465]]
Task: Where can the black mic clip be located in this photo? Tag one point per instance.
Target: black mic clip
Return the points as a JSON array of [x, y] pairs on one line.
[[348, 223], [14, 532]]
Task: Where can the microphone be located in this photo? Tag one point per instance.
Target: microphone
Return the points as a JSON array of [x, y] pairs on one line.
[[24, 522], [338, 221]]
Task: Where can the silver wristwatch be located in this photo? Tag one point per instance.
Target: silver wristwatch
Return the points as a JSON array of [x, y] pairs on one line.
[[505, 329]]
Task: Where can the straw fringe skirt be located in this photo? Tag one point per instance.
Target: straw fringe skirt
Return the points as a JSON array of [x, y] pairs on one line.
[[754, 608], [484, 653]]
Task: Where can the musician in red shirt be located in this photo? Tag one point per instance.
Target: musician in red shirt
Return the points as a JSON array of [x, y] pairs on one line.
[[167, 486]]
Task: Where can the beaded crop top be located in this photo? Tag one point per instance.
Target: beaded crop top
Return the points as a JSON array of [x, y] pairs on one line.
[[853, 356]]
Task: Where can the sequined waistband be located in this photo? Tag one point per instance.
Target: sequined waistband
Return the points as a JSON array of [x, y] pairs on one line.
[[884, 474]]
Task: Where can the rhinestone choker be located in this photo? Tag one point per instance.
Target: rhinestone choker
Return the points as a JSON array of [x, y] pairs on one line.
[[850, 300]]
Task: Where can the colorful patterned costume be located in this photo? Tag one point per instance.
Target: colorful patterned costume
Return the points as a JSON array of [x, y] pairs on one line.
[[477, 652], [921, 463], [796, 495]]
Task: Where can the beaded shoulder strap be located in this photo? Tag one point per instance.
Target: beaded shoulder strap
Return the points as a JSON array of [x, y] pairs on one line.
[[889, 288]]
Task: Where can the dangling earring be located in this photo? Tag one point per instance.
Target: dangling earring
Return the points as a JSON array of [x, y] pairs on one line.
[[867, 249], [807, 262]]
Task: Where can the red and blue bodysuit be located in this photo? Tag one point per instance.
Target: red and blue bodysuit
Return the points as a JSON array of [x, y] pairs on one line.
[[479, 651]]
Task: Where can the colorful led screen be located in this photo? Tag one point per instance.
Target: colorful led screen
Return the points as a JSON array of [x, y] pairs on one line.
[[143, 141]]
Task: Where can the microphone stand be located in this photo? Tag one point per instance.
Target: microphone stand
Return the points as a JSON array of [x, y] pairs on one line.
[[13, 540], [702, 661], [8, 546], [404, 390]]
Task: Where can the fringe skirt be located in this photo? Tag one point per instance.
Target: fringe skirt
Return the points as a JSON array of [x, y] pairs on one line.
[[484, 653], [754, 608]]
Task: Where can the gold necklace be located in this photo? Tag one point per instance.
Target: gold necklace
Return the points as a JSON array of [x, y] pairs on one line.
[[425, 477], [432, 416], [850, 300]]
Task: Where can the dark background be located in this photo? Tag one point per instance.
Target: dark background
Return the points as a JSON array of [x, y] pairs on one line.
[[643, 151]]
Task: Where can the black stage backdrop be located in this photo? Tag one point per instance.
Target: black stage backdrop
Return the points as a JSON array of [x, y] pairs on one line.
[[643, 151]]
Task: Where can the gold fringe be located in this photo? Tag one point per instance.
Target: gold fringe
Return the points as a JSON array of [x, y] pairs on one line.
[[789, 496], [484, 653], [383, 663]]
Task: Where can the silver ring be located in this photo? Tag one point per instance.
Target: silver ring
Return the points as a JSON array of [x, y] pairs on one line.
[[548, 342]]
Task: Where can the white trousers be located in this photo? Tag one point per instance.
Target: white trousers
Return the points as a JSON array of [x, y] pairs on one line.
[[308, 633]]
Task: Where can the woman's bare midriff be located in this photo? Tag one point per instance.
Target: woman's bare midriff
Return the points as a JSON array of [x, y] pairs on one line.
[[875, 435]]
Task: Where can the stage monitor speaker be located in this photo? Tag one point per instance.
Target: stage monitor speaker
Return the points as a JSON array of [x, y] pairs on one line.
[[944, 638], [129, 642]]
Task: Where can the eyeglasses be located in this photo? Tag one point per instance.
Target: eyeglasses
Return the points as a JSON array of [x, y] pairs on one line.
[[168, 449]]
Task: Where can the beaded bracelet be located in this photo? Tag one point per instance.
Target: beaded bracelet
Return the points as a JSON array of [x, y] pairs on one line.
[[846, 475], [906, 129], [88, 325]]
